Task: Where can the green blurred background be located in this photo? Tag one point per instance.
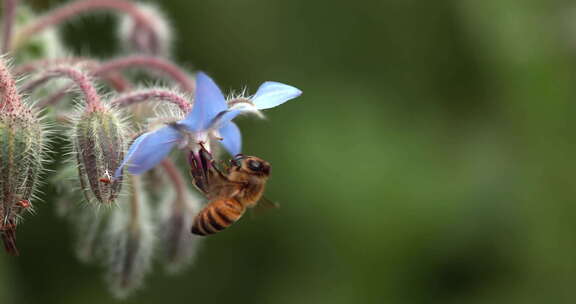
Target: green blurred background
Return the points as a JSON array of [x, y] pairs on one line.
[[429, 160]]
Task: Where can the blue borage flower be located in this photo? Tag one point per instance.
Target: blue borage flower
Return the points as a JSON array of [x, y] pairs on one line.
[[210, 117]]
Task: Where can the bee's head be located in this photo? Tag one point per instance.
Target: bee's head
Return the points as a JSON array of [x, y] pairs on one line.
[[252, 165]]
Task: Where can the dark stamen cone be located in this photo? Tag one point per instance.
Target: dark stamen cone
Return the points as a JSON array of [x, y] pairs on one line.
[[99, 143]]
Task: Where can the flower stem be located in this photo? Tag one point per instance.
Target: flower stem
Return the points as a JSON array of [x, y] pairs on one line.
[[73, 9], [80, 78], [151, 63], [177, 180], [35, 65], [116, 81], [108, 71], [8, 23], [8, 92], [152, 94]]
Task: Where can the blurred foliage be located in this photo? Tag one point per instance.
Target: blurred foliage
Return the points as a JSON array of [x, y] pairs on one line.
[[428, 161]]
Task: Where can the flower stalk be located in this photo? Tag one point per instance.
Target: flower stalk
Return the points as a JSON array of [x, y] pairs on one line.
[[109, 71], [76, 8], [164, 95], [79, 77], [10, 97], [151, 63]]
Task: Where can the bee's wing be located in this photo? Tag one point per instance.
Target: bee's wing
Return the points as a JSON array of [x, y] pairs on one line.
[[218, 185], [221, 187], [263, 205], [266, 203]]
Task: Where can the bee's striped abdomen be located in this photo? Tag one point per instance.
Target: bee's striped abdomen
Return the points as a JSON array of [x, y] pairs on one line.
[[217, 216]]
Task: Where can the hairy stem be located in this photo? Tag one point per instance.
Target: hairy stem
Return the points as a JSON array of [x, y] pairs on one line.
[[80, 78], [73, 9], [10, 97], [150, 95], [8, 23], [108, 71], [177, 180], [40, 64], [116, 81], [149, 63]]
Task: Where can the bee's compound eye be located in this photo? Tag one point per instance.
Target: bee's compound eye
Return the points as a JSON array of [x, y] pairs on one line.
[[255, 165]]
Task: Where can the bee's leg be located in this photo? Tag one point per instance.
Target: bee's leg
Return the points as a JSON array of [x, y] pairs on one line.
[[203, 169], [198, 171], [209, 164]]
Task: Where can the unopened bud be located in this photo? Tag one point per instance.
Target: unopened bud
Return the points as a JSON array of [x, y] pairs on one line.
[[179, 246], [151, 35], [21, 157], [99, 142], [130, 242], [89, 229]]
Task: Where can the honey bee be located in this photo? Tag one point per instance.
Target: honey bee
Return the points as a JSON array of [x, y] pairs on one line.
[[229, 193]]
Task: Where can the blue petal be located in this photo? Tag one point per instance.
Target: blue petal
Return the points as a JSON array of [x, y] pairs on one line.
[[149, 149], [271, 94], [224, 118], [231, 138], [208, 102]]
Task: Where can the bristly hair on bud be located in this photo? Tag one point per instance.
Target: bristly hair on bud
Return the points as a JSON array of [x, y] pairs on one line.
[[99, 139], [153, 37], [130, 242], [22, 140]]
